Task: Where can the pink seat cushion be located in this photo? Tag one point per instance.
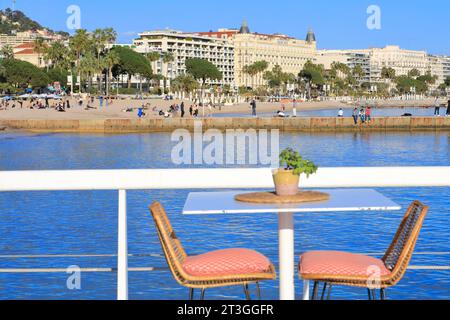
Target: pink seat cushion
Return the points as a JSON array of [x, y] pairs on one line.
[[226, 263], [340, 263]]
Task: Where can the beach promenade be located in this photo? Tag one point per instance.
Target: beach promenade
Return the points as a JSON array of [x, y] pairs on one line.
[[283, 124]]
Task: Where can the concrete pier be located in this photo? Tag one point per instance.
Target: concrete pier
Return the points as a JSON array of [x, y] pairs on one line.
[[283, 124]]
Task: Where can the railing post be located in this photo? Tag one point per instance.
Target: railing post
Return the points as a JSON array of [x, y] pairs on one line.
[[122, 259]]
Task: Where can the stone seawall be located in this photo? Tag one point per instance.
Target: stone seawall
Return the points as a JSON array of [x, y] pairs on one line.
[[287, 124]]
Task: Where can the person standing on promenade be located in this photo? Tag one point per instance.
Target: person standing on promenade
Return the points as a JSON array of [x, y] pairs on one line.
[[437, 107], [341, 113], [253, 105], [294, 109], [369, 114], [355, 115], [100, 99], [362, 115], [182, 109]]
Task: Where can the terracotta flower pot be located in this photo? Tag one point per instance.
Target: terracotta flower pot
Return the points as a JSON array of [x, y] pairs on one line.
[[286, 182]]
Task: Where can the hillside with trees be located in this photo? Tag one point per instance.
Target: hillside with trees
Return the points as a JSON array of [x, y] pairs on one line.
[[16, 21]]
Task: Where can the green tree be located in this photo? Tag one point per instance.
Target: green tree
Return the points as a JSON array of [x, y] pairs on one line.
[[405, 84], [167, 59], [88, 67], [40, 47], [58, 75], [58, 55], [414, 73], [22, 74], [428, 78], [185, 83], [132, 63], [202, 70], [358, 72], [276, 78], [101, 39], [313, 75], [111, 59], [80, 44], [388, 73]]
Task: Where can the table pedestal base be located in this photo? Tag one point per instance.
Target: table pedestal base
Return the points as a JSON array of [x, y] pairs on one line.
[[287, 259], [286, 256]]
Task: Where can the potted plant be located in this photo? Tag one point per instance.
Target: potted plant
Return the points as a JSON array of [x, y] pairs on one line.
[[292, 165]]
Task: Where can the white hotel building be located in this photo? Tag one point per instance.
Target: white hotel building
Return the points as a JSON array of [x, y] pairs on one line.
[[184, 46], [373, 60]]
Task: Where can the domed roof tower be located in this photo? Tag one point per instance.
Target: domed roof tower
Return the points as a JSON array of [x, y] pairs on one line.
[[311, 36], [244, 28]]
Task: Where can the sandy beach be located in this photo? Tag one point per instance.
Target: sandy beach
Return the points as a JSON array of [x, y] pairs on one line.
[[116, 110]]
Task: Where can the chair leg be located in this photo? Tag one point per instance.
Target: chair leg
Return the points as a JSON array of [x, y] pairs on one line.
[[329, 291], [202, 295], [258, 291], [191, 294], [324, 291], [383, 294], [369, 294], [315, 295], [374, 294], [246, 291]]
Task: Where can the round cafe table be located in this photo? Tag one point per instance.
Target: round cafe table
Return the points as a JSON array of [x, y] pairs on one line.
[[340, 201]]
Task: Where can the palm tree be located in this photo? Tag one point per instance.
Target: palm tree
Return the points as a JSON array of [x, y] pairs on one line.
[[80, 43], [167, 59], [110, 60], [88, 66], [358, 73], [261, 68], [388, 73], [251, 70], [59, 55], [153, 57], [185, 83], [40, 47], [102, 38]]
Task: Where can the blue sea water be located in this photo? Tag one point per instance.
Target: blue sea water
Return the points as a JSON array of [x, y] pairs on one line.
[[85, 223]]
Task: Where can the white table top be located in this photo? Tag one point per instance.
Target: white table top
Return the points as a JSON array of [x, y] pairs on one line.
[[341, 200]]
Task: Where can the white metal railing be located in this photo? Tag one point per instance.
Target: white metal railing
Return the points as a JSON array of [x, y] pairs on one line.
[[123, 180]]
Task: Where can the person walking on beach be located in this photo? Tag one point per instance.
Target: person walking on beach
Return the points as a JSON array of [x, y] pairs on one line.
[[355, 115], [253, 105], [182, 109], [437, 107]]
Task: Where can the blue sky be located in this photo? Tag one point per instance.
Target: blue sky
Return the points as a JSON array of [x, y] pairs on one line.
[[421, 25]]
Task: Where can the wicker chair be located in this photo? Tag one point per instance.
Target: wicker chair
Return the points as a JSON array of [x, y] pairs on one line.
[[338, 268], [212, 270]]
